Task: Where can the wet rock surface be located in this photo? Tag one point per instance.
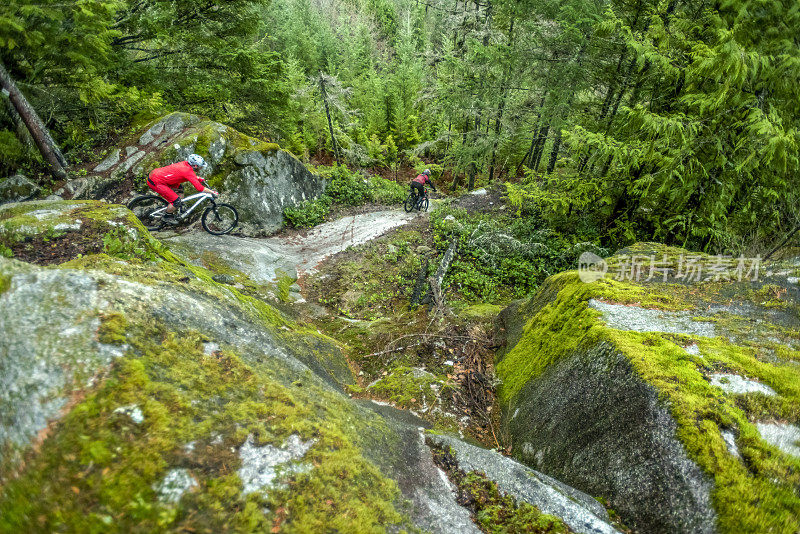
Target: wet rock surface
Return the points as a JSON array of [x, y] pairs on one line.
[[591, 422], [737, 384], [95, 401], [579, 511], [266, 259], [645, 320], [49, 354], [785, 437], [265, 466]]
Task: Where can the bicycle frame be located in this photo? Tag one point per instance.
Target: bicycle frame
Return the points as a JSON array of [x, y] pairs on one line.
[[201, 197], [420, 198]]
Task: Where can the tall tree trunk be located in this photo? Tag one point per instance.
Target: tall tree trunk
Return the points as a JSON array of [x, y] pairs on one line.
[[23, 134], [473, 170], [48, 148], [501, 107], [541, 139], [551, 165], [324, 94]]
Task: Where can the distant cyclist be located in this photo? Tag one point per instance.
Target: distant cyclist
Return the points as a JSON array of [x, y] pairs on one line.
[[418, 183], [165, 181]]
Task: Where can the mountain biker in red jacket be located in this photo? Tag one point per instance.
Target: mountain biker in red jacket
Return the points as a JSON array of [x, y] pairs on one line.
[[418, 183], [165, 181]]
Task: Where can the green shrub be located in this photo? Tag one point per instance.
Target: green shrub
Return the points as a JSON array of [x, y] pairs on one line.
[[502, 256], [346, 187], [387, 191], [12, 152], [309, 213]]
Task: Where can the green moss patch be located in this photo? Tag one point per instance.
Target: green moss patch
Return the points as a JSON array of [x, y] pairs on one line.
[[412, 388]]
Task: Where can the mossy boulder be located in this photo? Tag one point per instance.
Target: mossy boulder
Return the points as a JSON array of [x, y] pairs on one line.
[[624, 388], [17, 188], [52, 231], [257, 177]]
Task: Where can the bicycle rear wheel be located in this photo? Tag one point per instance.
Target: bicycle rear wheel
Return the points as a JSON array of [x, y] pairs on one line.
[[220, 219], [410, 202], [423, 204], [149, 209]]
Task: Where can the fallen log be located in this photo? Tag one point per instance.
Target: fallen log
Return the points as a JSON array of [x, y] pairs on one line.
[[436, 280]]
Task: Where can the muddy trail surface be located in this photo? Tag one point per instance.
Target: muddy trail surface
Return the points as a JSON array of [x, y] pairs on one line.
[[263, 259]]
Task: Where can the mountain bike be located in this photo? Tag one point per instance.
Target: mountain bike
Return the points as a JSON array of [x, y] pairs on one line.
[[415, 202], [217, 219]]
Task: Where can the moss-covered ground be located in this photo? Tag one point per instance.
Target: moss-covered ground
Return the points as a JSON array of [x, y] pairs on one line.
[[99, 470], [48, 233], [757, 328]]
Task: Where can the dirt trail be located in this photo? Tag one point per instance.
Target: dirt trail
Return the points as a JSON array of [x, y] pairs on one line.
[[331, 238], [297, 254]]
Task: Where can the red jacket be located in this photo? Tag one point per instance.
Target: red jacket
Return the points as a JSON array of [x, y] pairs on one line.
[[422, 179], [175, 174]]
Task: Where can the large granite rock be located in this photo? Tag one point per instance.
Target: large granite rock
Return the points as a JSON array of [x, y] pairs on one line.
[[17, 188], [630, 388], [257, 177], [137, 393]]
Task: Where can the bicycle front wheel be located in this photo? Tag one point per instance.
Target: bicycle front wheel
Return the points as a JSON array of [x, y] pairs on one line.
[[220, 219], [149, 209], [408, 205]]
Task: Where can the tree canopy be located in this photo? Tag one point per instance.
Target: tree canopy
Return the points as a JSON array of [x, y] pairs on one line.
[[642, 119]]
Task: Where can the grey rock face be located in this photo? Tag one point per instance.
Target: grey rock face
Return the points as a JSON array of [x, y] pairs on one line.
[[401, 453], [737, 384], [17, 188], [264, 185], [111, 160], [579, 511], [592, 422], [53, 349], [153, 132], [265, 466], [730, 442], [94, 187], [174, 485], [783, 436], [132, 159], [260, 259], [639, 319]]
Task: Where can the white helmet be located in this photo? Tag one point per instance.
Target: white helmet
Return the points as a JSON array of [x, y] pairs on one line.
[[196, 161], [427, 171]]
